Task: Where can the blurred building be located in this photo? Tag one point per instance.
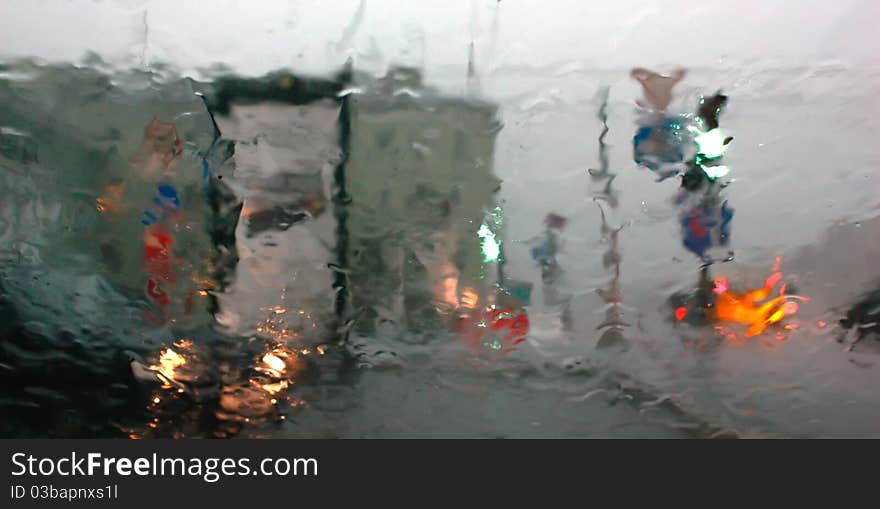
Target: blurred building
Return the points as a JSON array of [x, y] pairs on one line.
[[420, 236], [285, 132], [379, 197]]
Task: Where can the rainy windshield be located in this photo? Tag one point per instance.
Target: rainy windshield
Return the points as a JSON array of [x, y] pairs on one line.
[[411, 219]]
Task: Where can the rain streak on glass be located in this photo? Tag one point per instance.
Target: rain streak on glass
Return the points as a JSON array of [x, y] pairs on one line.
[[483, 219]]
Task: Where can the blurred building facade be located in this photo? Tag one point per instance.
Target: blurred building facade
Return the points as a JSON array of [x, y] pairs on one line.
[[379, 197], [421, 233]]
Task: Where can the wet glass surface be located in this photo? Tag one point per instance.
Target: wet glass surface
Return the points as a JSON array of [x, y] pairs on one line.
[[408, 219]]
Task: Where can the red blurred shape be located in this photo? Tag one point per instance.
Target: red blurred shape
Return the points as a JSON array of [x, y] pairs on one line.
[[508, 325]]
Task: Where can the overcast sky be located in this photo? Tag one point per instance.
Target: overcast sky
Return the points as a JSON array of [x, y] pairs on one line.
[[316, 35]]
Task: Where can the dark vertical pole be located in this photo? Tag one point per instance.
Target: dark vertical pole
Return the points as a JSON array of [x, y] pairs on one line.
[[341, 200]]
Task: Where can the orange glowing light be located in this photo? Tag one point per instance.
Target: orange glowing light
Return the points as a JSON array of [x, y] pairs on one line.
[[275, 388], [277, 368], [756, 308], [822, 324], [275, 324], [469, 298], [169, 360], [183, 343], [274, 362], [448, 288]]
